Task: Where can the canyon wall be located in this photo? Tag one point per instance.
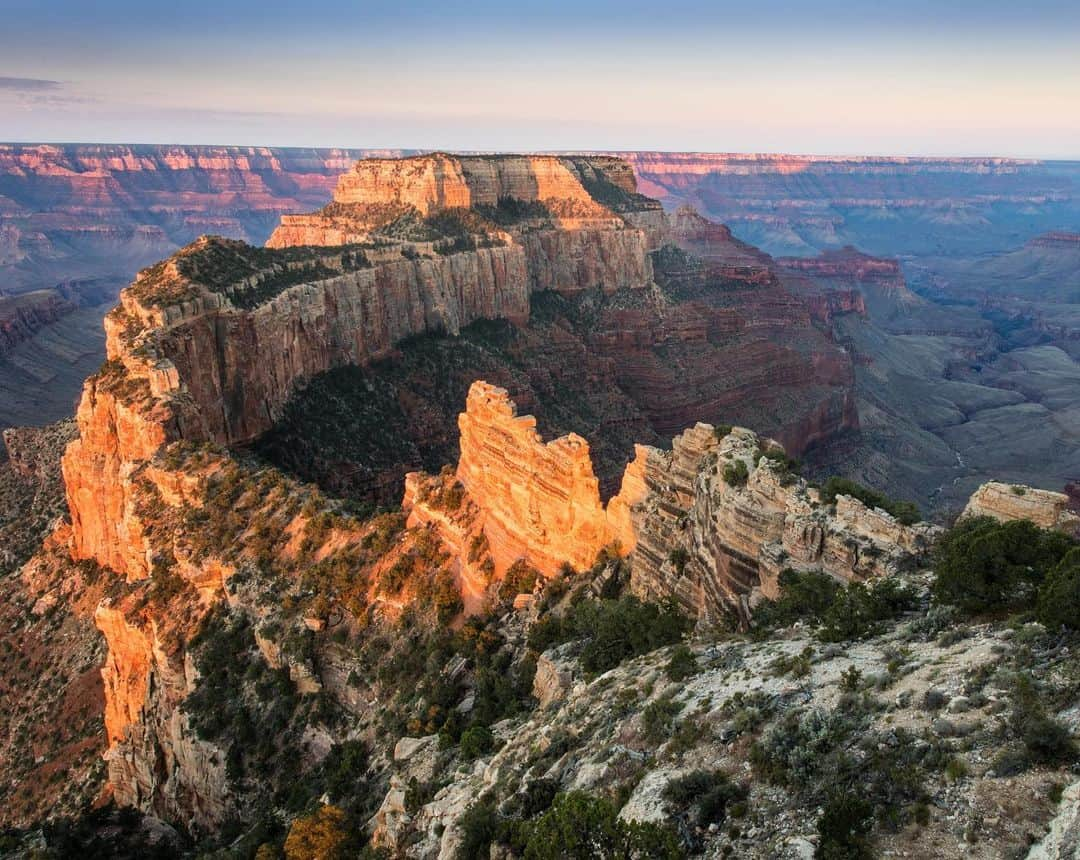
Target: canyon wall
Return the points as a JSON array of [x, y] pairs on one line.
[[889, 206], [180, 344], [82, 219], [77, 210]]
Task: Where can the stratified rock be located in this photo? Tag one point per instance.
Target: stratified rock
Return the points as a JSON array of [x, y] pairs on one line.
[[711, 541], [691, 533], [1006, 502], [540, 501], [156, 763]]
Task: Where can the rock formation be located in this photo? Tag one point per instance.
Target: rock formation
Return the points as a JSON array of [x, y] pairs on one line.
[[710, 522], [181, 341], [569, 240], [1004, 502], [207, 347], [540, 501], [720, 518]]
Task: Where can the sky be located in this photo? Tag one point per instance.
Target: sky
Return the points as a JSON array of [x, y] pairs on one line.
[[950, 77]]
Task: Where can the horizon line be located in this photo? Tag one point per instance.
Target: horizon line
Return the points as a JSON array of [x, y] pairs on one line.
[[409, 151]]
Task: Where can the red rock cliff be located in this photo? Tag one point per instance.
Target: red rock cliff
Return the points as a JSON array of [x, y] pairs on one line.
[[208, 345]]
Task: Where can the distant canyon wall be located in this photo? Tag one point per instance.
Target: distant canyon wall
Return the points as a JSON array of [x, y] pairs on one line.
[[800, 205]]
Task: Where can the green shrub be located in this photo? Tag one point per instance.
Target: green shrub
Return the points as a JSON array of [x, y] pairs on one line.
[[707, 792], [793, 749], [983, 565], [579, 826], [1045, 739], [851, 679], [802, 596], [905, 512], [845, 612], [736, 473], [858, 609], [1059, 596], [476, 741], [658, 718], [344, 769], [521, 578], [678, 558], [956, 769], [479, 827], [682, 664], [779, 458], [844, 826], [613, 630], [536, 798]]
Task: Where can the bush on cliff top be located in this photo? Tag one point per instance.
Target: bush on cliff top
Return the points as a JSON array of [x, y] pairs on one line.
[[613, 630], [983, 565], [1059, 596], [844, 612], [905, 512]]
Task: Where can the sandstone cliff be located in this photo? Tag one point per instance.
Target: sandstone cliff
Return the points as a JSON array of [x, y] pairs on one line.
[[1047, 509], [720, 517], [180, 343]]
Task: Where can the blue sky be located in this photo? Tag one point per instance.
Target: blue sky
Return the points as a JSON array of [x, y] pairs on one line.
[[951, 77]]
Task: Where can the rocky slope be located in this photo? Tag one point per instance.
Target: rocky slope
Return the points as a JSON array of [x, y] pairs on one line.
[[739, 712]]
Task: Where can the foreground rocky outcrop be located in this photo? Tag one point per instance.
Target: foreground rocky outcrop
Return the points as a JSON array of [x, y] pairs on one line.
[[738, 713], [720, 516]]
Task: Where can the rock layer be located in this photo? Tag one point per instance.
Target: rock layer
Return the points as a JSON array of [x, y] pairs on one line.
[[710, 537], [534, 501], [1005, 502]]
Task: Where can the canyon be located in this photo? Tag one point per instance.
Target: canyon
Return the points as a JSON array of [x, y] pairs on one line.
[[953, 234], [272, 630], [887, 206], [147, 477]]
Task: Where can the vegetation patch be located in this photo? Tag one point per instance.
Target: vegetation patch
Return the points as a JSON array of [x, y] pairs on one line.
[[906, 513], [983, 565], [842, 612], [611, 630]]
